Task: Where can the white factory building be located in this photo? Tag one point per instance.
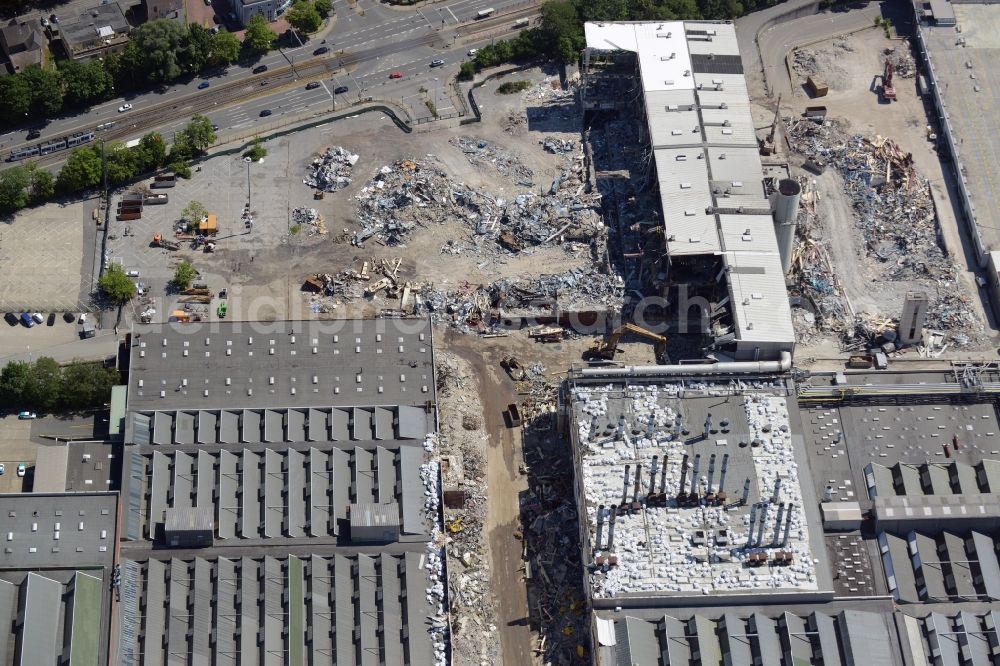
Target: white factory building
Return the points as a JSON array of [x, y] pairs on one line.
[[719, 219]]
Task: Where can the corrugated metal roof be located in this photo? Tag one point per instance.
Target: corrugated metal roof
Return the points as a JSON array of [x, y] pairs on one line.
[[748, 233], [369, 514], [721, 39]]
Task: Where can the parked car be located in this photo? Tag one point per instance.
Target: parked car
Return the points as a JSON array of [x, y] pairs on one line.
[[215, 128], [339, 90], [51, 320], [124, 107], [395, 75], [208, 3], [83, 317], [39, 319], [133, 273], [260, 69], [33, 134], [203, 85], [21, 469], [437, 63], [472, 53], [265, 113], [321, 50], [45, 22], [162, 88], [27, 320], [312, 85], [25, 416], [1, 469], [10, 318]]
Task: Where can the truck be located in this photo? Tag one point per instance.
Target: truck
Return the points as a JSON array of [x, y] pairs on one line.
[[484, 13], [522, 23], [160, 241]]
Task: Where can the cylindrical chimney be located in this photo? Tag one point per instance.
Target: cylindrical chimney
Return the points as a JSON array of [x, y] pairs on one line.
[[652, 475], [611, 531], [763, 521], [753, 520], [600, 526], [638, 482], [746, 492], [625, 486], [777, 523], [722, 474], [711, 473], [788, 525], [684, 471], [785, 203]]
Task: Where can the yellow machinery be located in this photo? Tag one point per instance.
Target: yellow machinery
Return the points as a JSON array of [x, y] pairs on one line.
[[609, 347]]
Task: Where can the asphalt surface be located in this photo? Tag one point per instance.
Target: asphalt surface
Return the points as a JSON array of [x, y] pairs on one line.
[[368, 42], [778, 40]]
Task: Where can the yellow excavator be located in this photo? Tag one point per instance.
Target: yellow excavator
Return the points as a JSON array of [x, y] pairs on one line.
[[608, 348]]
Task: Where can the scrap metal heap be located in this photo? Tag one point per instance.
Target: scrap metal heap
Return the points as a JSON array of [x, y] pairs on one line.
[[331, 171], [414, 193], [481, 152], [896, 218]]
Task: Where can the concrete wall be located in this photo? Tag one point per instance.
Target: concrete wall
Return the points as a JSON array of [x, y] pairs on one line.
[[965, 201]]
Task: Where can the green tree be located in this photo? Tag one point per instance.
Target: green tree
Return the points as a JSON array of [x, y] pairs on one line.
[[84, 82], [194, 212], [152, 151], [258, 36], [15, 383], [197, 49], [46, 90], [467, 71], [303, 17], [42, 187], [15, 98], [14, 185], [87, 385], [122, 164], [324, 7], [563, 30], [184, 275], [115, 285], [181, 169], [82, 170], [46, 384], [160, 47], [198, 134], [257, 151], [225, 48]]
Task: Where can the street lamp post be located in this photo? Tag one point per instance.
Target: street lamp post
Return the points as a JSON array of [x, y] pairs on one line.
[[247, 160]]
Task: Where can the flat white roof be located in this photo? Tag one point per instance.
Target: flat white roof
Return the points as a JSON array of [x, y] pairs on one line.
[[707, 166]]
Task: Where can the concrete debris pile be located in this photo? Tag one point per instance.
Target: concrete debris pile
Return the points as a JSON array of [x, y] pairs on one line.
[[893, 211], [481, 152], [902, 61], [309, 216], [557, 146], [463, 474], [331, 171], [517, 123], [550, 533], [481, 307], [822, 64], [821, 305], [413, 194]]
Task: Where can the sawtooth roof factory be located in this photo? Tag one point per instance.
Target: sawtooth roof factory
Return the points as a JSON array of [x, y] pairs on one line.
[[728, 234], [280, 496]]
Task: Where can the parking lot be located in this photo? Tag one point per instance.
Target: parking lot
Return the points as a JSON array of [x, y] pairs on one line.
[[16, 448], [60, 239]]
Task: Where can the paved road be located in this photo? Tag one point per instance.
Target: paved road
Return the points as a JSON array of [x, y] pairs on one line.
[[96, 348], [371, 39], [747, 31]]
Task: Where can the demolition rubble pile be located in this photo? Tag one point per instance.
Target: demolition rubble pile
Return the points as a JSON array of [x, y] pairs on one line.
[[331, 171], [411, 194], [308, 216], [895, 216], [473, 307], [903, 63], [463, 445], [481, 153]]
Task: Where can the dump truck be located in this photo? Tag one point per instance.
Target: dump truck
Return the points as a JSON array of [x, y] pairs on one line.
[[221, 310], [159, 241], [608, 348], [547, 334]]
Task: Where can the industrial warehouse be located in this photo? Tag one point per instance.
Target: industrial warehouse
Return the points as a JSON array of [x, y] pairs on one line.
[[866, 503], [280, 498]]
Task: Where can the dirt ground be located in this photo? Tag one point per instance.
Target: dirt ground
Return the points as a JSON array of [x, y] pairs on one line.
[[852, 66]]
